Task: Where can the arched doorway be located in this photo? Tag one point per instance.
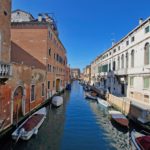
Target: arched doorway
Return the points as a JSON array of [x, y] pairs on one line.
[[57, 85], [17, 104]]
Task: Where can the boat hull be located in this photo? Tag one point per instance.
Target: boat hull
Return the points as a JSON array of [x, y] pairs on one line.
[[57, 101], [26, 134]]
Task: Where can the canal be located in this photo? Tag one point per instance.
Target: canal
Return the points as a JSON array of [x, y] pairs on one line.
[[77, 125]]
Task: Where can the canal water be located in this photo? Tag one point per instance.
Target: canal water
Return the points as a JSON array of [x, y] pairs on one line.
[[79, 124]]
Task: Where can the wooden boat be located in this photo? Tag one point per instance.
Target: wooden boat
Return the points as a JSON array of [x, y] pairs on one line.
[[30, 126], [139, 141], [119, 118], [103, 102], [57, 101], [88, 95]]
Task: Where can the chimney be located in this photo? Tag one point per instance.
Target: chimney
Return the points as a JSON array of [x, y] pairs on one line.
[[40, 17], [140, 21], [47, 18], [113, 42]]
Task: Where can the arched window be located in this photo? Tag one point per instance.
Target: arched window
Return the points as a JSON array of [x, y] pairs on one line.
[[127, 59], [122, 61], [118, 62], [147, 54], [132, 58]]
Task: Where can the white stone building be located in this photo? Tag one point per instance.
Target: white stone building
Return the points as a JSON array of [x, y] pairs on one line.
[[124, 69]]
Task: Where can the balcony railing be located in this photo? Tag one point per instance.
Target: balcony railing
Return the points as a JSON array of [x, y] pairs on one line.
[[5, 70]]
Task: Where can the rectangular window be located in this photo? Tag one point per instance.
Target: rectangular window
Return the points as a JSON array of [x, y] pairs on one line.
[[49, 52], [132, 39], [118, 47], [32, 93], [131, 81], [147, 29], [48, 84], [127, 43], [114, 50], [43, 89], [53, 83], [146, 82]]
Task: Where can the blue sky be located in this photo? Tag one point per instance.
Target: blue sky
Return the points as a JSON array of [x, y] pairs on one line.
[[87, 27]]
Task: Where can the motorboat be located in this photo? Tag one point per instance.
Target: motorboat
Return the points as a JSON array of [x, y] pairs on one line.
[[89, 95], [103, 102], [30, 126], [139, 141], [57, 101], [119, 118]]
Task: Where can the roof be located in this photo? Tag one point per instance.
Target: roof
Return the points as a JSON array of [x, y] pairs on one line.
[[19, 55]]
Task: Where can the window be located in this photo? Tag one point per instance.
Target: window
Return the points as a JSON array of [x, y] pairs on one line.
[[132, 58], [114, 50], [53, 83], [32, 93], [109, 53], [146, 82], [118, 47], [43, 89], [122, 59], [147, 29], [146, 98], [131, 81], [0, 43], [118, 62], [54, 55], [127, 59], [127, 43], [132, 39], [49, 52], [114, 65], [48, 84], [147, 54]]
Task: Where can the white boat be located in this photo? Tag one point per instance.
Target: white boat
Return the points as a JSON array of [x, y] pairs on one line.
[[119, 118], [103, 102], [89, 96], [139, 141], [30, 126], [57, 101]]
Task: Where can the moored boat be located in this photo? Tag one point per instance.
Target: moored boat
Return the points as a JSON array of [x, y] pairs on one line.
[[57, 101], [30, 126], [119, 118], [89, 95], [139, 141], [103, 102]]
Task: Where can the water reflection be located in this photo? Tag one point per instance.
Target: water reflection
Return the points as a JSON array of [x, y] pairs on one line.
[[118, 136]]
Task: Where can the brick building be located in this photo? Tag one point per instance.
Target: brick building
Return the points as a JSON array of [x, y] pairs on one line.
[[5, 67], [34, 69]]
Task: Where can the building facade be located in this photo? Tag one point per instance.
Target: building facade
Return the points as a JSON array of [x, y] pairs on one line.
[[87, 74], [5, 67], [75, 73], [33, 64], [124, 68], [40, 39]]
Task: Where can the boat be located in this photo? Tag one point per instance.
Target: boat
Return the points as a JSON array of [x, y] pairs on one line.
[[89, 95], [103, 102], [119, 118], [68, 87], [30, 126], [139, 141], [57, 101]]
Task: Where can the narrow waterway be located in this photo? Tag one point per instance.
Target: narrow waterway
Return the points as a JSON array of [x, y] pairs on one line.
[[77, 125]]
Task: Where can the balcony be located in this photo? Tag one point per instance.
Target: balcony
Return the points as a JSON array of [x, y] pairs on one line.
[[121, 72], [5, 72]]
